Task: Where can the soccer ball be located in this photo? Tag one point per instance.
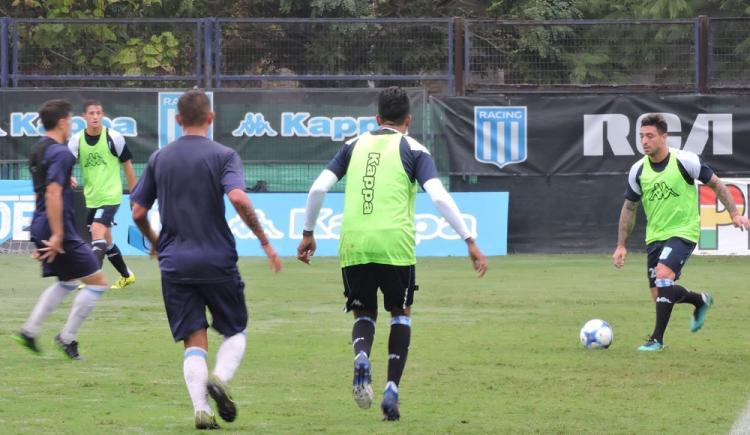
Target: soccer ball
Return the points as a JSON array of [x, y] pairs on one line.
[[596, 334]]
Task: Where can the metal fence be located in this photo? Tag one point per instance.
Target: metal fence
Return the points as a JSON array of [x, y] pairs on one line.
[[730, 53], [321, 52], [95, 52], [573, 53], [445, 55]]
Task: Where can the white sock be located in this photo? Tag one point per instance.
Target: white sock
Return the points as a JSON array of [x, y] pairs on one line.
[[392, 385], [229, 356], [196, 377], [83, 305], [50, 299]]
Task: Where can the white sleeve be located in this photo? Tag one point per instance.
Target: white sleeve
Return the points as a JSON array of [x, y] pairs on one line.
[[117, 140], [691, 162], [446, 206], [73, 144], [320, 187], [633, 177]]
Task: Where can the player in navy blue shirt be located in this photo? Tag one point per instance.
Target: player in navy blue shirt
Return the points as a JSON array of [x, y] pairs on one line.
[[196, 250], [62, 251]]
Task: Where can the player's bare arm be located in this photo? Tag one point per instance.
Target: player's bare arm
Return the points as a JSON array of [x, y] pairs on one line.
[[53, 203], [738, 220], [245, 209], [625, 227], [127, 166]]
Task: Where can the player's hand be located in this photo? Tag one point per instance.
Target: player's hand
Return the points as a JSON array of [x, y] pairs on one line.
[[618, 258], [478, 260], [306, 248], [73, 182], [273, 259], [741, 222], [52, 247]]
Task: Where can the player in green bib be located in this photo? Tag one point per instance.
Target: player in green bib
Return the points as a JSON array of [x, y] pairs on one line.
[[664, 181], [376, 245], [101, 152]]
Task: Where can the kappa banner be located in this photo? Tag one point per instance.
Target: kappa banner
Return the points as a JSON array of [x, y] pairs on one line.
[[282, 216], [718, 235], [16, 209], [284, 125]]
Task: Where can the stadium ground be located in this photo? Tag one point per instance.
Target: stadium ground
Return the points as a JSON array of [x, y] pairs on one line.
[[497, 355]]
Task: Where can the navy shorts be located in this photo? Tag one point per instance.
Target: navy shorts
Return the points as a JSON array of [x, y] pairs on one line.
[[104, 215], [361, 283], [77, 262], [186, 305], [673, 253]]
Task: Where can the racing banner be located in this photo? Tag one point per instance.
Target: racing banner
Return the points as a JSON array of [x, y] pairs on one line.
[[282, 216], [593, 134]]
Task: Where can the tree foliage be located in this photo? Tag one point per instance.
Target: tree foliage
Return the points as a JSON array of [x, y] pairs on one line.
[[358, 49]]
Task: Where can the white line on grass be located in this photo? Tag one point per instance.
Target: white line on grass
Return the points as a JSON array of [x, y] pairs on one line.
[[742, 424]]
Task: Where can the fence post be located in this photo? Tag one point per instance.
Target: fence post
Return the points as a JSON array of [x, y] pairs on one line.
[[14, 51], [4, 52], [217, 52], [458, 55], [703, 56], [208, 53]]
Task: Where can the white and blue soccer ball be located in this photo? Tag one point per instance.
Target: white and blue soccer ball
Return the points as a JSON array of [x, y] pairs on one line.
[[596, 334]]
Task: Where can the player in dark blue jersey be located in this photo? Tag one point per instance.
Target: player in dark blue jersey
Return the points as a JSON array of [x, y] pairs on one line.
[[196, 250], [62, 251]]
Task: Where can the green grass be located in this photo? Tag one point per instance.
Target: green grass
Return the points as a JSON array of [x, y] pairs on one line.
[[496, 355]]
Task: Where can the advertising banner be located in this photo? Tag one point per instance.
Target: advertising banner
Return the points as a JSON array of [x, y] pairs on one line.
[[718, 235], [282, 216], [593, 134], [280, 125]]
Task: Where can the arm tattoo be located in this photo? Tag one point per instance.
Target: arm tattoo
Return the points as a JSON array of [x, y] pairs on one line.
[[627, 221], [723, 194], [247, 213]]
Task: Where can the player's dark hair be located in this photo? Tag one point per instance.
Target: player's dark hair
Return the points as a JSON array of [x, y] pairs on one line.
[[194, 107], [656, 120], [89, 103], [53, 111], [393, 105]]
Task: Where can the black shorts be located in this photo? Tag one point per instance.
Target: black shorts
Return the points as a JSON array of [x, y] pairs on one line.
[[104, 215], [77, 262], [673, 253], [186, 306], [361, 283]]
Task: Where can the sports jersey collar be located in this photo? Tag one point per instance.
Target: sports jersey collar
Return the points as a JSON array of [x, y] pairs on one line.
[[385, 127]]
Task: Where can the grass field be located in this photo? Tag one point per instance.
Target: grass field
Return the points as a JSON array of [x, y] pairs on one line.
[[497, 355]]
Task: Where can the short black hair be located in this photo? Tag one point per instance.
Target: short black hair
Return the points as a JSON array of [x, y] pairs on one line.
[[53, 111], [656, 120], [393, 105], [89, 103], [194, 107]]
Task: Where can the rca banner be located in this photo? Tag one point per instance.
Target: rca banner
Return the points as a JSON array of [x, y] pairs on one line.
[[718, 234], [592, 134]]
